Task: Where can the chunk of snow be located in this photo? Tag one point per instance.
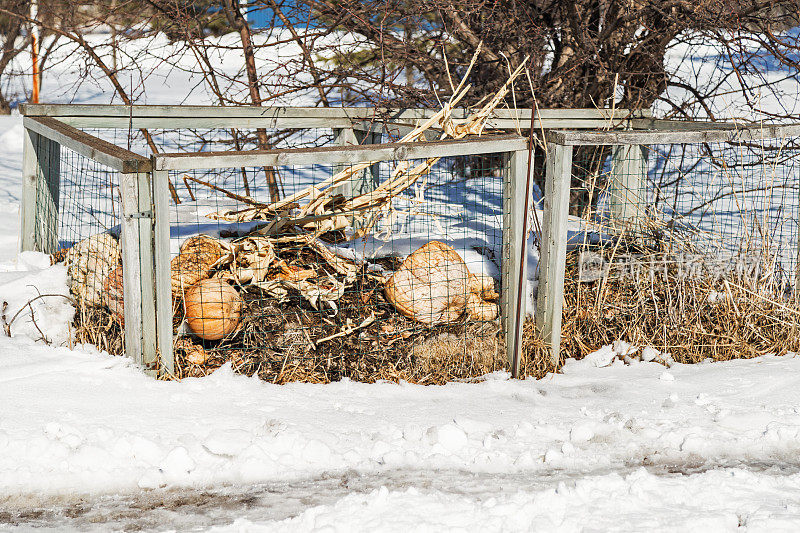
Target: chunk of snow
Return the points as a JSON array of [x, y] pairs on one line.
[[602, 357], [449, 436], [649, 354]]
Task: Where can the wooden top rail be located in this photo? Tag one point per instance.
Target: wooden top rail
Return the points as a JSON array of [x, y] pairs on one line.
[[721, 134], [243, 117], [87, 145], [682, 125], [333, 155]]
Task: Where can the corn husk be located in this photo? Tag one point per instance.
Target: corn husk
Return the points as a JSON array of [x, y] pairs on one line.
[[88, 264]]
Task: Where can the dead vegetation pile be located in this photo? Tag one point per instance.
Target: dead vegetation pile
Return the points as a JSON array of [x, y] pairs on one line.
[[692, 318], [364, 338]]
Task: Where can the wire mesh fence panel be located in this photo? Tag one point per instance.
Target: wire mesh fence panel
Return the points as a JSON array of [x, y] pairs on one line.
[[86, 233], [359, 285], [690, 249], [183, 140], [391, 273]]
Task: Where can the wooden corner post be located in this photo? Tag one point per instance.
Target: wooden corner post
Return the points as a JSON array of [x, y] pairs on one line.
[[41, 181], [137, 267], [549, 302], [146, 270], [162, 272], [626, 186], [514, 266]]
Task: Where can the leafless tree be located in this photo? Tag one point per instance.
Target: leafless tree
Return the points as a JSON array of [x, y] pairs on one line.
[[585, 53]]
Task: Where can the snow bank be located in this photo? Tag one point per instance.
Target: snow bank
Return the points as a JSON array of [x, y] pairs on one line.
[[79, 421], [609, 502], [50, 316]]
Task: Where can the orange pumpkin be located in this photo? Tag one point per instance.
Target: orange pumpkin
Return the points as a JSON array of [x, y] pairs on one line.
[[213, 308]]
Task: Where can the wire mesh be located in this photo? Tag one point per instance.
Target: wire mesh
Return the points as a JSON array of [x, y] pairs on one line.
[[78, 216], [718, 201], [89, 199], [319, 303], [691, 248], [287, 307], [183, 140]]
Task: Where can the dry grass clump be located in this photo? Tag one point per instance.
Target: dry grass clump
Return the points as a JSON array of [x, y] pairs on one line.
[[461, 352], [97, 326], [446, 356], [691, 318], [536, 361]]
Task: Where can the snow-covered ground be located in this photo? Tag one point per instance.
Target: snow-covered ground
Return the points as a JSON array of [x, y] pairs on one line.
[[87, 442], [86, 438]]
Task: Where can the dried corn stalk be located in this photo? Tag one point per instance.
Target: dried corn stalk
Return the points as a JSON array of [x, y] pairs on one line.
[[320, 215], [247, 260]]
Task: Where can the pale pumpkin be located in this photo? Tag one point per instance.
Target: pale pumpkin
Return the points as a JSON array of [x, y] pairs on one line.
[[431, 285], [114, 295], [434, 286], [89, 263]]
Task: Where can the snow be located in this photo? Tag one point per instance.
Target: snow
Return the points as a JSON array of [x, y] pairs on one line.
[[616, 446], [625, 439], [28, 277]]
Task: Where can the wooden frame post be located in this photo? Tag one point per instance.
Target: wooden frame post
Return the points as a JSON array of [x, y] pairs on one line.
[[513, 318], [367, 181], [628, 177], [552, 262], [137, 267], [162, 272], [41, 181]]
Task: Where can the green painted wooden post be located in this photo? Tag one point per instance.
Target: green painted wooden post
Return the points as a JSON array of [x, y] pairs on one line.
[[41, 179]]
